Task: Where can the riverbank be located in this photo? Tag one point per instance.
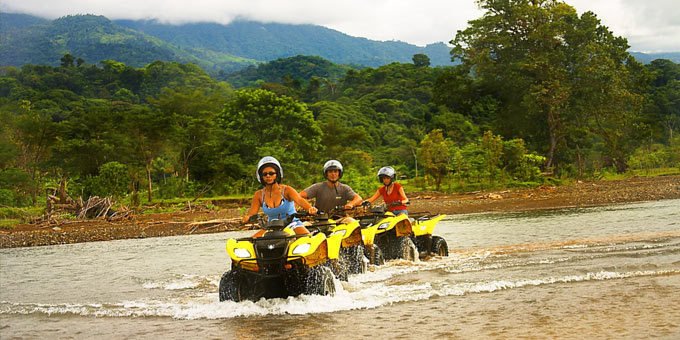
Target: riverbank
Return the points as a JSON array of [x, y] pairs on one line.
[[200, 221]]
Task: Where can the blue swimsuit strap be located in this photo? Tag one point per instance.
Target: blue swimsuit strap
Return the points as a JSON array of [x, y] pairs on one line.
[[283, 198]]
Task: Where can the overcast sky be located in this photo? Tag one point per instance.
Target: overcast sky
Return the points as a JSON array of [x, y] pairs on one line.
[[649, 25]]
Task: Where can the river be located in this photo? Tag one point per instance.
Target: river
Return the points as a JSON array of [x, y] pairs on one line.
[[609, 272]]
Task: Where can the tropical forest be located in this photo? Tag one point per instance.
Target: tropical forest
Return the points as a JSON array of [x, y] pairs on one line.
[[536, 94]]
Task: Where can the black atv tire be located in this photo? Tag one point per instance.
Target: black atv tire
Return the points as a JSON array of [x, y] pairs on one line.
[[320, 281], [439, 246], [353, 258], [229, 287], [378, 258], [405, 249]]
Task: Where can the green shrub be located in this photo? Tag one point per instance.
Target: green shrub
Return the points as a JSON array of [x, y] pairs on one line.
[[6, 197], [175, 187], [114, 179], [23, 214]]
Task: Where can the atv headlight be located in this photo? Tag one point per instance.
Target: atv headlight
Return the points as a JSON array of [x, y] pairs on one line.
[[242, 253], [383, 225], [340, 232], [301, 248]]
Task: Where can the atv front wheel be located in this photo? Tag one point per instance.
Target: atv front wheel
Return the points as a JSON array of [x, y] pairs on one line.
[[406, 249], [354, 258], [320, 281], [377, 258], [439, 246], [229, 287]]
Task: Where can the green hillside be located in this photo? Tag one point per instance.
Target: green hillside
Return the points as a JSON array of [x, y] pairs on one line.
[[214, 47], [266, 42], [95, 38], [649, 57]]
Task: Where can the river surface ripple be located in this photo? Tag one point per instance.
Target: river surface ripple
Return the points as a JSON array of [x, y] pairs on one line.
[[610, 272]]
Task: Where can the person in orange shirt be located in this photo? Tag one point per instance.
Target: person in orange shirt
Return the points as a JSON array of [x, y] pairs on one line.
[[391, 192]]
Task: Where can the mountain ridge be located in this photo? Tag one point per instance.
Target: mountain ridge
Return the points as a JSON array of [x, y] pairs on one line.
[[285, 40], [217, 48], [214, 47]]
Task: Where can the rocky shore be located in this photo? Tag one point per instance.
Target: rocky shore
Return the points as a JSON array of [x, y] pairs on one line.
[[198, 221]]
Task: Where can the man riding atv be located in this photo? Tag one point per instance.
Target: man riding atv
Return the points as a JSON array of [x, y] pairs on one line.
[[331, 193]]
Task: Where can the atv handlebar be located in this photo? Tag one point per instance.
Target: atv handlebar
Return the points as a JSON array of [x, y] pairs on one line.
[[367, 204], [261, 221]]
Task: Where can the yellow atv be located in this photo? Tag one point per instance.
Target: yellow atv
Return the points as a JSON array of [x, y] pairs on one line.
[[357, 246], [404, 237], [423, 225], [277, 263]]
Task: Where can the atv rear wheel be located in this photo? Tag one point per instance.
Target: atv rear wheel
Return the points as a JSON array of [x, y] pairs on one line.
[[229, 287], [439, 246], [405, 249], [320, 281]]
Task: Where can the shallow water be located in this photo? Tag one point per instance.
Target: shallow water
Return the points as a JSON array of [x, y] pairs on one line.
[[611, 271]]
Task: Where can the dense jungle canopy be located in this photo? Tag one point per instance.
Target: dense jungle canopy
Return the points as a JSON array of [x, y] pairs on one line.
[[539, 91]]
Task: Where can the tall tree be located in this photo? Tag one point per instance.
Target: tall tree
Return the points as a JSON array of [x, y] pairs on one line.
[[147, 129], [258, 122], [663, 107], [435, 155], [421, 60], [32, 134], [194, 111], [543, 61]]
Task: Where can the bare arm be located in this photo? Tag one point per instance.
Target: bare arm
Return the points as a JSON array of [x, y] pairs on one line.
[[356, 201], [254, 206], [402, 194]]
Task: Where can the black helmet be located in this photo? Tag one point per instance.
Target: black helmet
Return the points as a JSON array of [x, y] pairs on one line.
[[332, 165], [269, 161]]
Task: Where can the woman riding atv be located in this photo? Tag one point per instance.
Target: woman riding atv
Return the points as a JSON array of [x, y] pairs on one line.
[[276, 200], [280, 260]]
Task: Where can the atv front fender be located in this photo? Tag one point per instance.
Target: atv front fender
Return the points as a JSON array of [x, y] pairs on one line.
[[243, 247], [334, 242], [368, 234]]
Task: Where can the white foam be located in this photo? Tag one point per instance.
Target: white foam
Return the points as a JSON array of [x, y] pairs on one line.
[[575, 246], [359, 295], [487, 287]]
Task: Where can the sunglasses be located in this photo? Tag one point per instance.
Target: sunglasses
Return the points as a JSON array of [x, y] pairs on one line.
[[271, 173]]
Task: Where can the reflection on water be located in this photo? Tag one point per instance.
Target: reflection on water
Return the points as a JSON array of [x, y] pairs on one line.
[[601, 271]]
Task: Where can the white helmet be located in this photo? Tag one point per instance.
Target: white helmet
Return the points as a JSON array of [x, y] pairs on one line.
[[332, 165], [387, 171], [269, 161]]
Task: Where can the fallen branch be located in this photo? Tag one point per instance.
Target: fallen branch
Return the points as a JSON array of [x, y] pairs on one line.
[[212, 224]]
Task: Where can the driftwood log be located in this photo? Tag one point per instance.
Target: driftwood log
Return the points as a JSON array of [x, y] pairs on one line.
[[94, 207], [213, 224]]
